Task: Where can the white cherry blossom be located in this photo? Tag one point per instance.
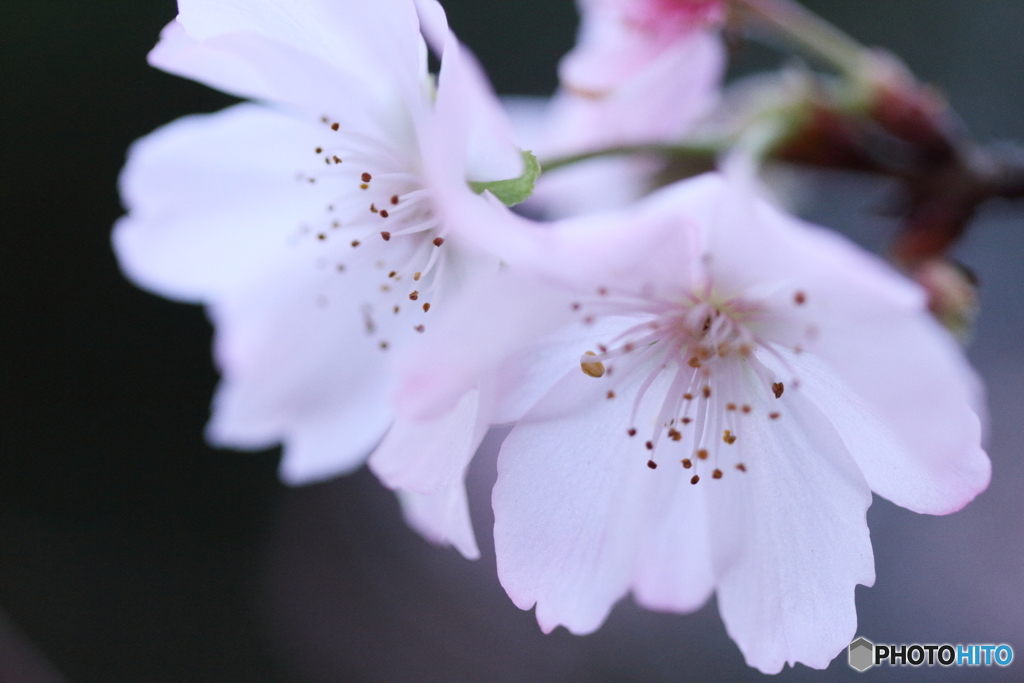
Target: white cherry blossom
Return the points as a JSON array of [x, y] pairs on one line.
[[710, 391], [307, 223]]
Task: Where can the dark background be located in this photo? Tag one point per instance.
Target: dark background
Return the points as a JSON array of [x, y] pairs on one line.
[[130, 551]]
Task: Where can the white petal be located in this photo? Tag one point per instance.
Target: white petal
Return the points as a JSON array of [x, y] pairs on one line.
[[299, 371], [427, 455], [471, 136], [254, 66], [213, 200], [580, 519], [376, 38], [442, 517], [906, 411], [658, 100], [790, 537], [896, 386]]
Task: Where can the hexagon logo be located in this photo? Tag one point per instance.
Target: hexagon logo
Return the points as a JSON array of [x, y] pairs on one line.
[[862, 654]]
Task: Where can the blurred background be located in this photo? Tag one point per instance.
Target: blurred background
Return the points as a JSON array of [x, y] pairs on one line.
[[131, 551]]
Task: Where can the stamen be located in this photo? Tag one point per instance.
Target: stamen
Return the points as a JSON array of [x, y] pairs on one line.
[[592, 368]]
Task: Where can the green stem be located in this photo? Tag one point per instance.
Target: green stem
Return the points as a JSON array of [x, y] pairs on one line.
[[809, 32], [698, 153]]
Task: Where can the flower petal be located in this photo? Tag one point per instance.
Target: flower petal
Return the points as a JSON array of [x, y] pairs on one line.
[[896, 386], [299, 371], [580, 519], [374, 38], [907, 415], [790, 538], [442, 517], [427, 455], [253, 66], [213, 200]]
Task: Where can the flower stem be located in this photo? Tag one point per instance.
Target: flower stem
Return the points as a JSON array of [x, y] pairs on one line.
[[810, 33], [701, 154]]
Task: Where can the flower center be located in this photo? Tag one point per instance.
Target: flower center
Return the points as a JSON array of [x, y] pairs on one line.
[[708, 351], [380, 226]]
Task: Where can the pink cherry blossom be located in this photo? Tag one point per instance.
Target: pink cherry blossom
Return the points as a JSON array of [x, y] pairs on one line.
[[307, 224], [641, 72], [707, 392]]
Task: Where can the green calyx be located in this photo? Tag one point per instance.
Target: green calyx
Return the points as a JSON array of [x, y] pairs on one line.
[[514, 190]]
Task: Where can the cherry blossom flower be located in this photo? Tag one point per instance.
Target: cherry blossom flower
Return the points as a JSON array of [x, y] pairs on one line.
[[307, 224], [642, 72], [708, 393]]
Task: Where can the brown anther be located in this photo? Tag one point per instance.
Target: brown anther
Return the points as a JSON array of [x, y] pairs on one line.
[[653, 465], [575, 307], [396, 309], [687, 463], [321, 236], [674, 434], [592, 369], [745, 350], [649, 446], [706, 391], [800, 298], [602, 348], [386, 235], [336, 159], [355, 243], [417, 276], [426, 307], [419, 328], [393, 273], [394, 199], [385, 288], [628, 348], [384, 213], [319, 150], [728, 437], [335, 224], [686, 420], [694, 479], [741, 467], [364, 186], [589, 320], [438, 241], [688, 397], [324, 119], [704, 353], [366, 177], [746, 409], [384, 346], [341, 267], [373, 208], [702, 454], [694, 362], [602, 291], [730, 406], [610, 394], [777, 389], [717, 474], [335, 126], [327, 161], [414, 295], [631, 431], [775, 416]]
